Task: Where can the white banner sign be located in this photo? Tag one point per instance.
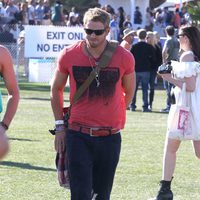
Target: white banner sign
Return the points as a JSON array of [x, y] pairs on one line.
[[48, 41]]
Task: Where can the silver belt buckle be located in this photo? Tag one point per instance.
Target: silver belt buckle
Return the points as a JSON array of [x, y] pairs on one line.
[[91, 132]]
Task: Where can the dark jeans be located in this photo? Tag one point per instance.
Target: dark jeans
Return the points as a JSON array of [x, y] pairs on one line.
[[142, 77], [92, 163], [153, 75], [168, 86]]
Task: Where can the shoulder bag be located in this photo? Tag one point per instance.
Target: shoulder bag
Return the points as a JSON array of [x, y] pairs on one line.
[[178, 124]]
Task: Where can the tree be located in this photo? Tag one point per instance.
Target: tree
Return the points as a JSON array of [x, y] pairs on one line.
[[81, 5], [194, 11]]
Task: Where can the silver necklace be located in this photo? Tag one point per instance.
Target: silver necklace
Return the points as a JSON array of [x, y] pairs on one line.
[[94, 69]]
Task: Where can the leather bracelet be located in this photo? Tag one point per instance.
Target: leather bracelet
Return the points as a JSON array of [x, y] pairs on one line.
[[5, 126]]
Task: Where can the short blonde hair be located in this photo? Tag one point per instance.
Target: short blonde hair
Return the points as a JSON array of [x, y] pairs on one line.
[[97, 15], [157, 36], [152, 37]]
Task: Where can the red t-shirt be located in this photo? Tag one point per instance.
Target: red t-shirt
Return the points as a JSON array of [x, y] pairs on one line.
[[102, 106]]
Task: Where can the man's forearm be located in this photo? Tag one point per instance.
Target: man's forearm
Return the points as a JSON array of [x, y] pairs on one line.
[[57, 104], [11, 108], [128, 99]]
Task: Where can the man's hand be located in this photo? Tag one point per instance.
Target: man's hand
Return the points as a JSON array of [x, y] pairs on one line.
[[60, 141], [166, 76], [4, 145]]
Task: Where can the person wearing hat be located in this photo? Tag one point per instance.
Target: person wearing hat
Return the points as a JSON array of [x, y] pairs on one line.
[[128, 38]]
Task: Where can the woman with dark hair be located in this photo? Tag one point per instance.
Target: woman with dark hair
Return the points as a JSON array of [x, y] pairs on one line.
[[186, 75], [193, 35], [121, 16]]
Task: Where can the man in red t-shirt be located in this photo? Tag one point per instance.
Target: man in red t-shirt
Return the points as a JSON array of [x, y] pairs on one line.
[[93, 139]]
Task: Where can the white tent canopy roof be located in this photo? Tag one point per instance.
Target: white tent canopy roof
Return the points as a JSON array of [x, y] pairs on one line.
[[177, 1], [173, 3]]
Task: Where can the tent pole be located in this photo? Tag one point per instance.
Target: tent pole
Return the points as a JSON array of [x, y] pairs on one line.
[[181, 4]]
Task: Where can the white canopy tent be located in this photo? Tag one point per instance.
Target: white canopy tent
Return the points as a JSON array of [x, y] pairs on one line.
[[178, 1], [173, 3]]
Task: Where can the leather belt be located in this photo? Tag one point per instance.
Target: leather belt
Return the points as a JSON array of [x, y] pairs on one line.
[[93, 131]]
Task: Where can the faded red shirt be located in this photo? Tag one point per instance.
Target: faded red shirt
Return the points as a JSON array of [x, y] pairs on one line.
[[102, 106]]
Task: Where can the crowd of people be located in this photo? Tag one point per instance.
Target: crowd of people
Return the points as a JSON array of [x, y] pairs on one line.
[[152, 20], [154, 54], [40, 12]]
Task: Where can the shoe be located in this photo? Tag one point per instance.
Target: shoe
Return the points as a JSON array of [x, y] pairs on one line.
[[150, 107], [165, 192], [165, 110], [146, 110], [164, 196]]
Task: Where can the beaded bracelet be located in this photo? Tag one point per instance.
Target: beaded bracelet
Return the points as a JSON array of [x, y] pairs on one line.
[[60, 127]]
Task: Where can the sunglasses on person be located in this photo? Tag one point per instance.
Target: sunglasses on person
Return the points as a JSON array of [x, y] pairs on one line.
[[96, 32]]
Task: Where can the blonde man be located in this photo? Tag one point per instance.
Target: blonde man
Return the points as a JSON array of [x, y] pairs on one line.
[[93, 139]]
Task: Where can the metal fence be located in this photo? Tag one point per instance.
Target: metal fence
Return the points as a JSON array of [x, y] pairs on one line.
[[27, 69], [32, 69]]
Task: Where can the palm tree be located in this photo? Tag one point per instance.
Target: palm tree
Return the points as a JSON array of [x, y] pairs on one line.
[[194, 11]]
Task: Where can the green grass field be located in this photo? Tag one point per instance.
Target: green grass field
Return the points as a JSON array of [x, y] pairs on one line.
[[28, 172]]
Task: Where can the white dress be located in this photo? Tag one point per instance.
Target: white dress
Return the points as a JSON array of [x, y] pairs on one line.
[[180, 71]]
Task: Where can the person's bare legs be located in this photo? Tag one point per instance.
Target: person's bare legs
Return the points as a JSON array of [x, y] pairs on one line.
[[169, 159], [169, 163]]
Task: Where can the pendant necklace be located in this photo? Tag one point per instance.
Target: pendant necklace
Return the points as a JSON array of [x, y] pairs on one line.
[[96, 63]]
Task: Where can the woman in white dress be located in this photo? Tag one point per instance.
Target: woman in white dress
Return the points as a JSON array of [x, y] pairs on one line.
[[185, 73]]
